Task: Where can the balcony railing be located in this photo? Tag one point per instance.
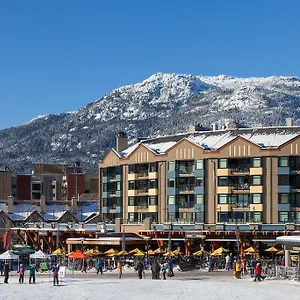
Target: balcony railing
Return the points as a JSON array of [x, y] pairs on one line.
[[187, 205], [186, 171], [143, 206], [240, 169], [142, 191], [240, 186], [186, 188], [142, 174]]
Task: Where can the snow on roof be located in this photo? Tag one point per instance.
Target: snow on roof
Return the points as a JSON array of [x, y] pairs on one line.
[[265, 137]]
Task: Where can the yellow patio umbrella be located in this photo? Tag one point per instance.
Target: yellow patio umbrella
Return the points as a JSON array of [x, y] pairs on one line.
[[220, 251], [271, 249], [159, 251], [177, 252], [139, 253], [201, 252], [123, 253], [57, 252], [150, 252], [93, 252], [170, 253], [111, 251], [281, 252], [134, 251], [250, 250]]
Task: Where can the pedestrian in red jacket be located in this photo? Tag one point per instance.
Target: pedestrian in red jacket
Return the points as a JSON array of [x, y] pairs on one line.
[[257, 272]]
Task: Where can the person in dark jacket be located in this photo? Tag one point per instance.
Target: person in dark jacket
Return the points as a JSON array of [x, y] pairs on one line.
[[157, 270], [6, 272], [84, 266], [99, 266], [153, 269], [140, 269], [55, 270], [1, 267], [32, 270]]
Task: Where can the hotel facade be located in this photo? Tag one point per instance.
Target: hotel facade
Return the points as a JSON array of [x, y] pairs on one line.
[[230, 176]]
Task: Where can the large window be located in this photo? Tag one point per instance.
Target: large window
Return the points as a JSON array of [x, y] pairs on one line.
[[153, 184], [222, 199], [256, 162], [199, 164], [171, 183], [118, 186], [104, 187], [283, 216], [131, 201], [153, 167], [131, 185], [283, 161], [256, 180], [171, 166], [199, 181], [222, 181], [171, 200], [256, 198], [171, 217], [199, 199], [283, 180], [152, 200], [223, 163], [283, 198]]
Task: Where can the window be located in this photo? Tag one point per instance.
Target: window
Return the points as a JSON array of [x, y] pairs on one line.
[[222, 181], [283, 198], [118, 186], [153, 167], [256, 198], [131, 217], [283, 216], [222, 199], [131, 169], [256, 162], [199, 164], [118, 201], [153, 184], [199, 181], [131, 201], [283, 180], [283, 162], [171, 166], [199, 217], [153, 200], [223, 217], [104, 187], [171, 217], [131, 185], [256, 180], [171, 200], [199, 199], [223, 163], [257, 216], [171, 183]]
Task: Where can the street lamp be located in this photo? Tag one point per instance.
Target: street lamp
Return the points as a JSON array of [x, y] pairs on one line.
[[147, 238]]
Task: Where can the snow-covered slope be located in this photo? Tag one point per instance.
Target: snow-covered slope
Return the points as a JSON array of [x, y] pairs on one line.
[[162, 104]]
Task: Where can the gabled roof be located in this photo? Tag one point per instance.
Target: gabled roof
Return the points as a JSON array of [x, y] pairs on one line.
[[264, 138]]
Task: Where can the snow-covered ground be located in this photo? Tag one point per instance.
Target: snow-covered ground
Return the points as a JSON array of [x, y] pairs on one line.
[[198, 287]]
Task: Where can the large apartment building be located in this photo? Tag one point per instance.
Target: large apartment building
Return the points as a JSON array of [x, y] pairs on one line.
[[237, 175]]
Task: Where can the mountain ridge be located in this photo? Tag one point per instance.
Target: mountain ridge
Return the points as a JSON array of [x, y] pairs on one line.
[[164, 103]]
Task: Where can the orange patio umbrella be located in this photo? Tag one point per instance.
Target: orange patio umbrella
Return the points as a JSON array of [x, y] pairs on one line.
[[78, 254]]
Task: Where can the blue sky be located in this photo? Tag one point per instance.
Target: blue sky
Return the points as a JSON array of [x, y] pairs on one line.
[[56, 56]]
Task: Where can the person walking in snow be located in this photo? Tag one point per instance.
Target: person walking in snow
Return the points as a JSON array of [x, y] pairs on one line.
[[99, 266], [84, 266], [32, 270], [55, 270], [257, 272], [21, 273], [140, 269], [164, 271], [6, 272]]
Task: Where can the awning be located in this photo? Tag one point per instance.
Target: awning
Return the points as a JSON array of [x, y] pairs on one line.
[[221, 240], [264, 240]]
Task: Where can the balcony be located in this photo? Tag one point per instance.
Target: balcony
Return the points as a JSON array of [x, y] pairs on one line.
[[141, 191], [111, 177], [186, 171], [240, 170], [142, 174], [240, 188], [186, 189], [295, 169], [112, 193]]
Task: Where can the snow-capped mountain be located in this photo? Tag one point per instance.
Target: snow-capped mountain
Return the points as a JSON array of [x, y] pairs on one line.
[[162, 104]]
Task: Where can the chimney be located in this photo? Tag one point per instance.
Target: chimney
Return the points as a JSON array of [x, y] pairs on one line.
[[192, 128], [121, 141], [10, 204], [289, 122], [74, 205], [43, 205]]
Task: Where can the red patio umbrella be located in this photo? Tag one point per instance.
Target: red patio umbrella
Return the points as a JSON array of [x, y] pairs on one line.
[[78, 254]]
